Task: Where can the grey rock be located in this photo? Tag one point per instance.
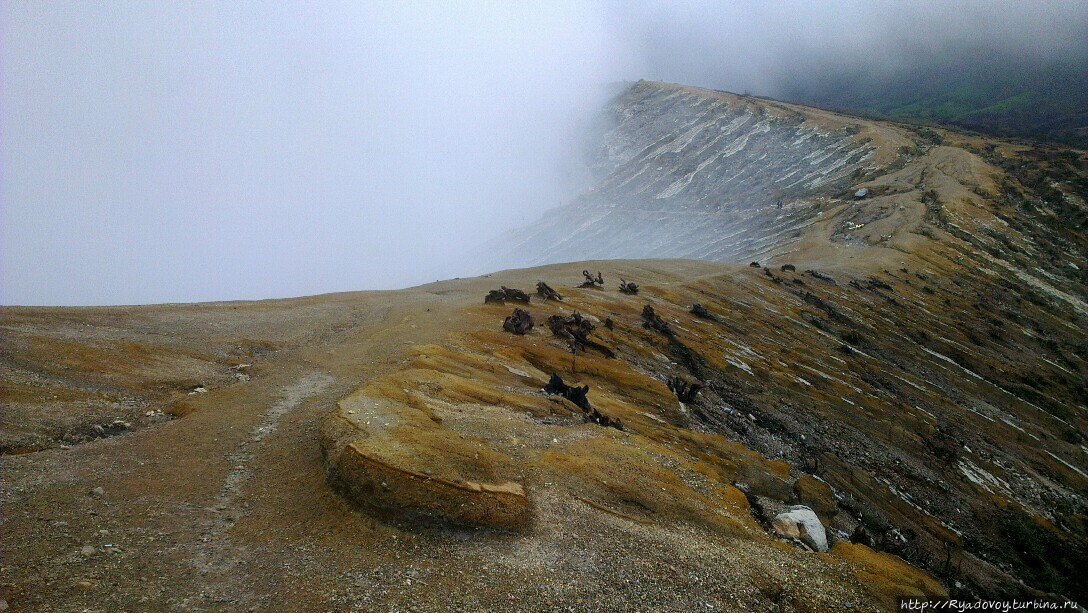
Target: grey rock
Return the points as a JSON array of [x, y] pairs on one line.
[[801, 522]]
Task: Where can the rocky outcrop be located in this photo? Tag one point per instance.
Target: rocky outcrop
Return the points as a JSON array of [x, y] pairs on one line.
[[372, 459], [363, 477]]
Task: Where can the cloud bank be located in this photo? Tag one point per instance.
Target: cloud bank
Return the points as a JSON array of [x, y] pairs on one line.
[[155, 152]]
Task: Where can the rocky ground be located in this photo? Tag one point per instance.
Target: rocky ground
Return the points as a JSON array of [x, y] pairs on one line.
[[226, 505], [910, 365]]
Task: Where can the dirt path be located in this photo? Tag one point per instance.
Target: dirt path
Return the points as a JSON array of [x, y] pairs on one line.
[[217, 556]]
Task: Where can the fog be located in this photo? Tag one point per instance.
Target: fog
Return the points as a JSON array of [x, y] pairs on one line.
[[177, 152]]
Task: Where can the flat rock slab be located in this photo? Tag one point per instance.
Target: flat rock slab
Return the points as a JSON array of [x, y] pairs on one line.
[[374, 459], [369, 480]]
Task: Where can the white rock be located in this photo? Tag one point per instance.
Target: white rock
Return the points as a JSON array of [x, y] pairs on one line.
[[800, 522]]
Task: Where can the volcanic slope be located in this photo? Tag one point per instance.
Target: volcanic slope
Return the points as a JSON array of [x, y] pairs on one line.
[[684, 172], [227, 505], [910, 365]]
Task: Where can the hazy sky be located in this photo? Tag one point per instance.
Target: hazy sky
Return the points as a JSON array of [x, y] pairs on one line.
[[162, 151]]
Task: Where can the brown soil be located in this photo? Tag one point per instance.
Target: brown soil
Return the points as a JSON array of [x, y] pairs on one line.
[[228, 507]]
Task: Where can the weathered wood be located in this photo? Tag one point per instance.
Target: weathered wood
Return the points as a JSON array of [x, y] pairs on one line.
[[575, 394], [685, 390], [684, 355], [520, 322], [590, 281], [578, 396], [699, 310], [505, 293], [653, 321], [576, 329], [546, 292]]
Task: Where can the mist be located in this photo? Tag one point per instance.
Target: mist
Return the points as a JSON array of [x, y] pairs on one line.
[[179, 152]]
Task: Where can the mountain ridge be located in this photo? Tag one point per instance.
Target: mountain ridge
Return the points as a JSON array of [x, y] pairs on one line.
[[909, 364]]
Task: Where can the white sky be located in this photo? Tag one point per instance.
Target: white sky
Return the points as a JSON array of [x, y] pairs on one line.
[[187, 151]]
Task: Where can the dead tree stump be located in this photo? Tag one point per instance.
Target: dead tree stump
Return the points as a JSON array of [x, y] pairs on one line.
[[576, 329], [546, 292], [578, 396], [590, 281], [520, 322], [653, 321], [699, 310], [505, 293], [685, 390]]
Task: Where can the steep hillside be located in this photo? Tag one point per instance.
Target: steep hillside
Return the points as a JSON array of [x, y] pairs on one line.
[[691, 173], [959, 253]]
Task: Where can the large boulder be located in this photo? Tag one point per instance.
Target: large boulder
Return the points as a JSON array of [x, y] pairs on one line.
[[801, 523]]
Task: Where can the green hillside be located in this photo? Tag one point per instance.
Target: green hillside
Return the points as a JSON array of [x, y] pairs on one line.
[[991, 93]]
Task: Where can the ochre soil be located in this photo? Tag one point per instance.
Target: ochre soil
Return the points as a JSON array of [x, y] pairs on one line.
[[227, 506]]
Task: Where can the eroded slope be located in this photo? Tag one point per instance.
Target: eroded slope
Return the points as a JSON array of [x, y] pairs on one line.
[[691, 173], [921, 350], [464, 432], [229, 507]]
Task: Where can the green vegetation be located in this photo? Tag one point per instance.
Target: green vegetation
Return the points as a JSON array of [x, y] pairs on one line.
[[990, 93]]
